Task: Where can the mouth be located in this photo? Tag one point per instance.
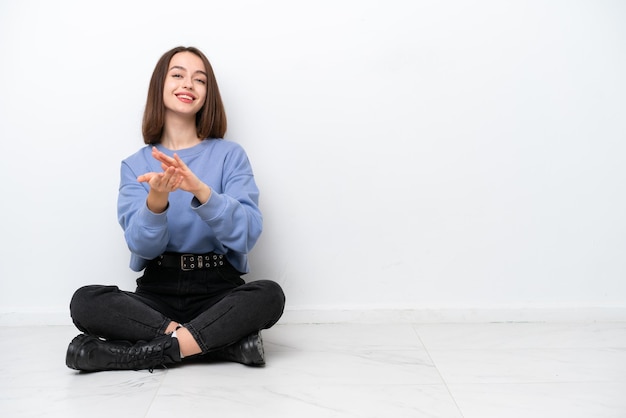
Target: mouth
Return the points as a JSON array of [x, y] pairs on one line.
[[185, 98]]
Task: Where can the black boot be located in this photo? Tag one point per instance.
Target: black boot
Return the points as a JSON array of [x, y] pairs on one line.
[[91, 354], [248, 351]]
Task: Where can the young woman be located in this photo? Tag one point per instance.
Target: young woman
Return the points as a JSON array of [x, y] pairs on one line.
[[188, 204]]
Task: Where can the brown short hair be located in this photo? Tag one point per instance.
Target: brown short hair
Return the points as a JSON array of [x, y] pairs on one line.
[[210, 119]]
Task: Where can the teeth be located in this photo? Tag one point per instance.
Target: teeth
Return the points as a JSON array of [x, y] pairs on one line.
[[184, 96]]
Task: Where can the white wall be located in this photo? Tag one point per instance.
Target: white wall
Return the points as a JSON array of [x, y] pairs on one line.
[[410, 154]]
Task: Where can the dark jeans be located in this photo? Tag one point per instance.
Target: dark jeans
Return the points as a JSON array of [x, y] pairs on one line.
[[215, 305]]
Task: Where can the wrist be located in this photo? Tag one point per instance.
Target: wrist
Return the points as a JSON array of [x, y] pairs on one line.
[[157, 201], [203, 193]]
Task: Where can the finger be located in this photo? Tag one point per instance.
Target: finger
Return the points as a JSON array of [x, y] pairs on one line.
[[161, 183], [172, 182], [168, 174], [145, 177], [182, 166], [159, 156], [163, 158], [179, 161]]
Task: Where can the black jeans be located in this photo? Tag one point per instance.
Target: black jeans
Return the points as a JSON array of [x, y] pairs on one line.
[[215, 305]]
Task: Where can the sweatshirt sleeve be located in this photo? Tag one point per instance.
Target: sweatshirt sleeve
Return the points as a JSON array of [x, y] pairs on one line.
[[146, 232], [233, 214]]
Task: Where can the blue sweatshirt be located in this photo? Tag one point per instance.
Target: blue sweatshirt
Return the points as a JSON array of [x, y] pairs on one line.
[[229, 223]]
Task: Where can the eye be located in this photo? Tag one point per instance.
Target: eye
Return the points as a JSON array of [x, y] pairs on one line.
[[200, 80]]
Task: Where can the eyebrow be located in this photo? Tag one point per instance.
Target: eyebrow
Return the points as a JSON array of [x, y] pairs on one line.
[[178, 67]]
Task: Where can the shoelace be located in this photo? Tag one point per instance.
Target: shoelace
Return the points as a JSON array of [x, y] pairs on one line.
[[150, 355]]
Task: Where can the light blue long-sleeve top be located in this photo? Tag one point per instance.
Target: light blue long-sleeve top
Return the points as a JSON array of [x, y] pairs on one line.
[[229, 223]]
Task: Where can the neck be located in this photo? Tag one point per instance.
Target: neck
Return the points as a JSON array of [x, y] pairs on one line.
[[179, 134]]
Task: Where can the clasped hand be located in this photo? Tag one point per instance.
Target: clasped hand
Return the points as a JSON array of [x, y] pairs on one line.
[[176, 175]]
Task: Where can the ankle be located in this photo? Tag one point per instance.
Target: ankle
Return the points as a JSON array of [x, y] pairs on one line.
[[173, 326], [187, 343]]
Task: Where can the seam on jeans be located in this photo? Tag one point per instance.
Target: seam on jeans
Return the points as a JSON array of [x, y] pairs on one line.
[[157, 331]]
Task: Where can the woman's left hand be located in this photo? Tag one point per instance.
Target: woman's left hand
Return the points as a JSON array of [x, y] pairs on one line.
[[190, 182]]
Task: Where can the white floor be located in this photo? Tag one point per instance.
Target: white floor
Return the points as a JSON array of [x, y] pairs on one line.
[[502, 370]]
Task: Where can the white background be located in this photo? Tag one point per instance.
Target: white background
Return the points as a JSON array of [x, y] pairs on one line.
[[410, 154]]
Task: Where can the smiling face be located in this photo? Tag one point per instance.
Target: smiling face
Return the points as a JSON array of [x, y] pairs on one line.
[[185, 87]]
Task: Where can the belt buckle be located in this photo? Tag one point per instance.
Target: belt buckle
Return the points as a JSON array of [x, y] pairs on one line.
[[187, 262]]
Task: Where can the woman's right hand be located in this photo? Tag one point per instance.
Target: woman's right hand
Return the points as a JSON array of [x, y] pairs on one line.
[[161, 184]]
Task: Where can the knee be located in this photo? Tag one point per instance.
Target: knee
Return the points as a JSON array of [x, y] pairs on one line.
[[84, 300], [274, 297]]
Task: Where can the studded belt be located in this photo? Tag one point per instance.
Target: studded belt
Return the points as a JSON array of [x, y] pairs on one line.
[[188, 262]]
